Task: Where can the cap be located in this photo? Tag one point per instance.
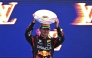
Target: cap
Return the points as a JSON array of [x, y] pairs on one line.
[[45, 26]]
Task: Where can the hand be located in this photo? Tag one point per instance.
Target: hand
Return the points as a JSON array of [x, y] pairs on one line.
[[34, 21], [57, 22]]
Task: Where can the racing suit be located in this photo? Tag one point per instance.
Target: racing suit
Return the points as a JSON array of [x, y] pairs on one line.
[[43, 48]]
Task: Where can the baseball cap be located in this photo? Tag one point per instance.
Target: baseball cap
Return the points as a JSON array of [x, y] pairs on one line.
[[45, 26]]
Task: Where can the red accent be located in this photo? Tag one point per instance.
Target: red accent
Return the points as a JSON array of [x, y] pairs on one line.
[[37, 56], [50, 56], [55, 41], [33, 41]]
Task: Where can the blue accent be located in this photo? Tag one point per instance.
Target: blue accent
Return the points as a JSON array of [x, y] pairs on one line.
[[78, 39]]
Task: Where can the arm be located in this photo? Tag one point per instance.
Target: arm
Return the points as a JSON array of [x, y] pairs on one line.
[[60, 36], [28, 33]]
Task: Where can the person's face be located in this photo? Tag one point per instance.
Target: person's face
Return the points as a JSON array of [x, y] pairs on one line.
[[44, 32]]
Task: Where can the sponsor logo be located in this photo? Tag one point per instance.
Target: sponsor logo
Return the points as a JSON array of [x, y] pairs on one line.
[[40, 42], [44, 48], [49, 44], [84, 14], [48, 41], [44, 53], [5, 12]]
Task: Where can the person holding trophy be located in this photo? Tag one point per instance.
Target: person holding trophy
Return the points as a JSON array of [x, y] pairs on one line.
[[43, 45]]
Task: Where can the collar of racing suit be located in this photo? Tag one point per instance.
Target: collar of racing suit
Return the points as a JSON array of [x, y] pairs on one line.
[[42, 38]]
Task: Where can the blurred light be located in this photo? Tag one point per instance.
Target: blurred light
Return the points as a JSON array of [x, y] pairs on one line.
[[84, 14]]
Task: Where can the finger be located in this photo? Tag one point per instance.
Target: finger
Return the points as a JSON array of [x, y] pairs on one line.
[[33, 15], [55, 19]]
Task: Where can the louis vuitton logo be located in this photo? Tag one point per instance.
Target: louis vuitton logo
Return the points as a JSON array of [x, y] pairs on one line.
[[84, 14], [5, 13]]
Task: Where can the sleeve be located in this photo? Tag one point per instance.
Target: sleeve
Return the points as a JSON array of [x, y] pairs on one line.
[[28, 33], [60, 38]]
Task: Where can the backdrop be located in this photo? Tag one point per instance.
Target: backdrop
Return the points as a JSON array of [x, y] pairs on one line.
[[78, 37]]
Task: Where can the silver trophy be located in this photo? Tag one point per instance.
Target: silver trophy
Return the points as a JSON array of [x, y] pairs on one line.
[[45, 16]]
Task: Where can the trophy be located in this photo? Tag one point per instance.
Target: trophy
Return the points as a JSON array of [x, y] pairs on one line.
[[45, 16]]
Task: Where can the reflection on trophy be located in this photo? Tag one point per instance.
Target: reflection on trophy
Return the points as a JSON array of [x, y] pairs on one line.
[[45, 16]]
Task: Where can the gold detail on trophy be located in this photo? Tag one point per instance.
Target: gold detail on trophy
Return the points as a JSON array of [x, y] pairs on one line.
[[45, 18]]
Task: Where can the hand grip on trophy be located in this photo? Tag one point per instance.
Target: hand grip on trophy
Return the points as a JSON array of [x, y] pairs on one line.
[[34, 21], [56, 20]]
